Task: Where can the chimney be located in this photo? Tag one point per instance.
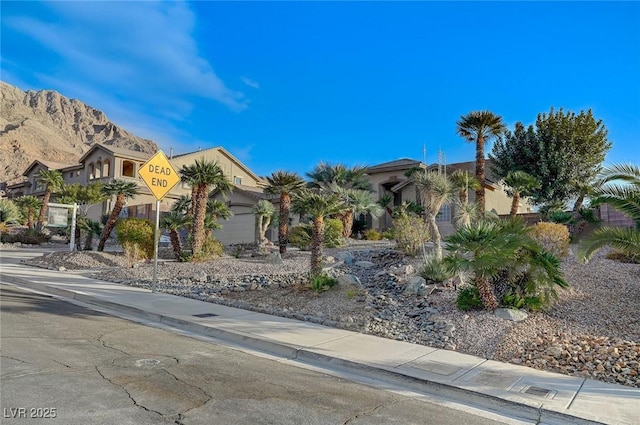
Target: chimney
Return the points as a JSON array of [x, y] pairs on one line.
[[170, 153]]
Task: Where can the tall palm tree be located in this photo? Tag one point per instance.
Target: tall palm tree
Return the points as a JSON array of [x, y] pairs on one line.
[[285, 184], [463, 182], [317, 205], [518, 184], [173, 222], [53, 182], [31, 204], [479, 127], [122, 190], [435, 189], [623, 197], [204, 176], [264, 212]]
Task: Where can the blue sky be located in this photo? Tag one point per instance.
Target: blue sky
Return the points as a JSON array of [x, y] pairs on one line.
[[286, 85]]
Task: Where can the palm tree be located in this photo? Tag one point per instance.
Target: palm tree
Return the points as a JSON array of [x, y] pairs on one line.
[[466, 213], [325, 174], [479, 127], [518, 184], [318, 205], [264, 212], [285, 184], [434, 189], [203, 175], [173, 222], [216, 209], [92, 228], [625, 198], [53, 182], [493, 247], [31, 204], [463, 183], [122, 190], [357, 202], [385, 202], [182, 205]]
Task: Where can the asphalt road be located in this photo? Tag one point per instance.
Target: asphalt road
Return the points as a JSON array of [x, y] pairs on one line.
[[65, 364]]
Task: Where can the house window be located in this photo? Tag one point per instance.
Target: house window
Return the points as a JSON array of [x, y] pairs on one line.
[[98, 169], [444, 215], [106, 168], [237, 180], [71, 174], [128, 168], [92, 172]]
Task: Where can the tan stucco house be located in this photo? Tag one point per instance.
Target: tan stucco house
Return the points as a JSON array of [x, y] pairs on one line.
[[389, 178]]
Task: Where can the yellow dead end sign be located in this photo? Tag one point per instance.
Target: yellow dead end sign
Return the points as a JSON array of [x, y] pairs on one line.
[[159, 175]]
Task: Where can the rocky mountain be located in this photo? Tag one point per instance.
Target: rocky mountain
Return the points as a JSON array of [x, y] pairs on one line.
[[46, 125]]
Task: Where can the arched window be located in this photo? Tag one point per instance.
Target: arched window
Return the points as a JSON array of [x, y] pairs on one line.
[[92, 171], [128, 169], [98, 169], [444, 215], [106, 168]]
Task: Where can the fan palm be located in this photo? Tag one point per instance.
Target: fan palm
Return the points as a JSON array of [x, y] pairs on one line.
[[285, 184], [518, 184], [357, 201], [52, 181], [325, 174], [203, 175], [479, 127], [434, 189], [31, 204], [92, 228], [385, 202], [173, 222], [182, 204], [122, 190], [463, 183], [625, 198], [317, 205], [216, 209]]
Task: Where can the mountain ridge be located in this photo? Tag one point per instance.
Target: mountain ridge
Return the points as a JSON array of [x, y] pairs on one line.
[[46, 125]]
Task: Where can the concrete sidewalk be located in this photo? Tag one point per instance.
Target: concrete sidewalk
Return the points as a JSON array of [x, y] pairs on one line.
[[518, 391]]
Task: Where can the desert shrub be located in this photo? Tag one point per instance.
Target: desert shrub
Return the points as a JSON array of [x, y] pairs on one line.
[[300, 235], [435, 270], [389, 234], [211, 248], [468, 298], [136, 237], [410, 233], [372, 235], [588, 214], [333, 233], [322, 282], [553, 237], [515, 299], [9, 212], [562, 217], [27, 237], [623, 256]]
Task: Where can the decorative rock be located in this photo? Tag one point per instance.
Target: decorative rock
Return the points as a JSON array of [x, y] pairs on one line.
[[62, 268], [555, 351], [349, 279], [364, 264], [274, 258], [511, 314], [345, 256], [415, 286], [200, 276]]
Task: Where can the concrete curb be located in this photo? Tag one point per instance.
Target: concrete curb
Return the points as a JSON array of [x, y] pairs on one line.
[[531, 412]]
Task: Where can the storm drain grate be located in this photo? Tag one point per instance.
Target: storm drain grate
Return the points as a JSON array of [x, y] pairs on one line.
[[537, 391], [203, 315]]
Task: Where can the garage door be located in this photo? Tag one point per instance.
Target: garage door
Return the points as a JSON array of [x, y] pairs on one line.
[[241, 228]]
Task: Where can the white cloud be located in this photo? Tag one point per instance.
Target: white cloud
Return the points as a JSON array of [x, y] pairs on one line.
[[143, 50], [250, 82]]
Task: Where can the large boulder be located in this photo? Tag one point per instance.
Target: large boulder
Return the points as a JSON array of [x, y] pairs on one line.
[[345, 256], [349, 280], [511, 314], [274, 258], [415, 285], [364, 264]]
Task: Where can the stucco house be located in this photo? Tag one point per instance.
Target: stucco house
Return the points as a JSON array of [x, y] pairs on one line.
[[103, 163], [389, 178]]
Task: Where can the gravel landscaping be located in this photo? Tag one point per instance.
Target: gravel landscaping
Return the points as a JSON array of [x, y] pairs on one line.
[[593, 330]]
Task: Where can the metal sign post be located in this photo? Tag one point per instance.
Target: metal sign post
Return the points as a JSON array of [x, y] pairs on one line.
[[74, 209], [160, 177]]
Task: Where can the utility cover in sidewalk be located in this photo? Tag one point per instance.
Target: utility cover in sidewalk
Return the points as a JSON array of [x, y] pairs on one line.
[[540, 392], [203, 315]]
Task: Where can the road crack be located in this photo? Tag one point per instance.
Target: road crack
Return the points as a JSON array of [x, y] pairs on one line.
[[181, 415], [14, 358], [373, 410], [133, 400]]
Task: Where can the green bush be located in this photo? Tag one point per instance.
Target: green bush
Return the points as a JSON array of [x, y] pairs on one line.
[[136, 237], [389, 234], [468, 298], [562, 217], [553, 237], [322, 283], [435, 270], [514, 299], [300, 235], [211, 248], [372, 235], [410, 233], [9, 212]]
